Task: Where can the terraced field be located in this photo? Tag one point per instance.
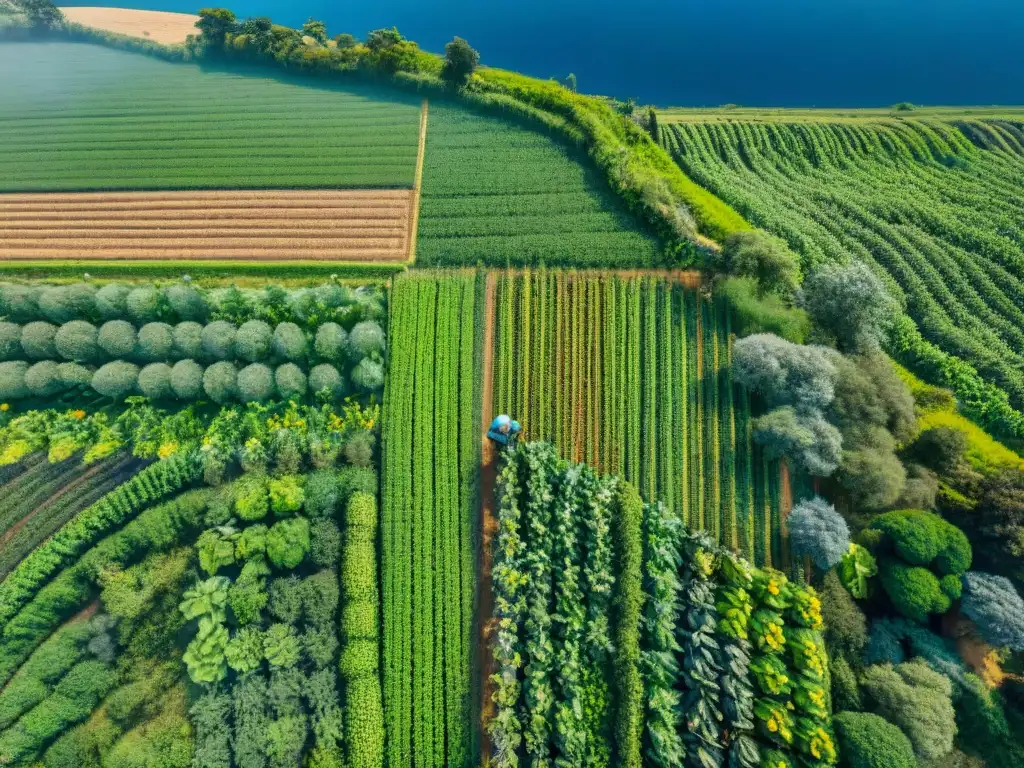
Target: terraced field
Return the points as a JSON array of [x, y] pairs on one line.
[[934, 204], [71, 121], [345, 225], [497, 194]]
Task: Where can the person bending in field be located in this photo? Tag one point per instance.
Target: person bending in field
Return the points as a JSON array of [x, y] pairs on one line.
[[504, 430]]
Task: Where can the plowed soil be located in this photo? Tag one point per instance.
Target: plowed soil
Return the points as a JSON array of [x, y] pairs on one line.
[[159, 26], [271, 225]]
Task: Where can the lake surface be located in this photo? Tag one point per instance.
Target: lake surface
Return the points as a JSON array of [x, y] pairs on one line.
[[825, 53]]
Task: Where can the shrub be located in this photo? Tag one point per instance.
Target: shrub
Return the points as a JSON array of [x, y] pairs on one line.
[[244, 652], [218, 340], [368, 375], [460, 61], [331, 341], [220, 382], [61, 304], [255, 383], [117, 338], [156, 342], [325, 543], [784, 373], [288, 542], [873, 476], [915, 591], [281, 646], [917, 700], [289, 343], [366, 339], [286, 494], [846, 628], [43, 379], [364, 721], [252, 542], [144, 304], [74, 375], [188, 340], [361, 512], [37, 341], [850, 304], [845, 688], [359, 449], [155, 381], [323, 494], [187, 379], [291, 382], [186, 302], [809, 441], [112, 301], [252, 343], [10, 341], [925, 539], [286, 597], [940, 448], [19, 303], [764, 314], [76, 341], [869, 741], [252, 501], [248, 595], [765, 258], [326, 377], [996, 608], [818, 531], [12, 380], [116, 380], [359, 619]]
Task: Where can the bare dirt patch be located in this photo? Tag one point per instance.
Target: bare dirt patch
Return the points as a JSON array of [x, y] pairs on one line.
[[266, 225], [158, 26]]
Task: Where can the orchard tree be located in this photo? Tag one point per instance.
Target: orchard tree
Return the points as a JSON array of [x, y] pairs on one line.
[[784, 373], [460, 62], [381, 39]]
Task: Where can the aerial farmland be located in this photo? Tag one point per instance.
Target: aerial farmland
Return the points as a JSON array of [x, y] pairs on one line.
[[368, 407]]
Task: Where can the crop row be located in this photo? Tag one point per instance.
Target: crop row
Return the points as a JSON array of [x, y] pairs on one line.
[[430, 457], [281, 131], [499, 194], [631, 375], [937, 216]]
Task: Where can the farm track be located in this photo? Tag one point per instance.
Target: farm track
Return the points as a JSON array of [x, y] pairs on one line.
[[265, 225]]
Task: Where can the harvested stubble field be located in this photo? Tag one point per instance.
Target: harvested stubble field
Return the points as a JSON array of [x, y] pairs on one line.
[[70, 120], [158, 26], [281, 225]]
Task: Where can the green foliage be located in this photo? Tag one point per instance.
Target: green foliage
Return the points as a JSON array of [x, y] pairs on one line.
[[288, 542], [255, 383], [325, 543], [186, 302], [996, 608], [763, 257], [291, 381], [756, 314], [210, 717], [155, 381], [368, 375], [187, 379], [252, 342], [286, 598], [248, 595], [220, 382], [116, 380], [216, 548], [38, 340], [331, 343], [145, 304], [43, 379], [869, 741], [846, 631], [204, 656], [252, 542], [117, 338], [326, 377], [629, 601], [188, 340], [62, 303], [917, 700], [218, 340], [366, 339], [281, 646], [915, 591], [850, 303], [155, 342], [77, 341], [12, 381], [810, 442], [206, 599], [460, 61], [252, 498], [249, 700], [924, 539], [10, 341], [289, 343], [818, 531], [286, 494], [244, 652]]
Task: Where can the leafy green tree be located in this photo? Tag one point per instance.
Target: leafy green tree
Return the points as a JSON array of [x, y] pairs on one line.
[[286, 598], [846, 629], [291, 382], [206, 599], [366, 339], [248, 595], [252, 342], [849, 304], [784, 373], [856, 569], [216, 548], [214, 25], [288, 542], [281, 646], [381, 39], [368, 375], [765, 258], [869, 741], [146, 304], [345, 41], [315, 29], [460, 62], [251, 543], [210, 716], [916, 699], [286, 494], [155, 381], [809, 441], [244, 652], [204, 656], [249, 700], [41, 14]]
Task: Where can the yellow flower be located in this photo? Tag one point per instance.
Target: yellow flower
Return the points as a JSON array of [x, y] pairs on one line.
[[78, 415], [5, 406], [773, 588], [167, 449], [773, 725]]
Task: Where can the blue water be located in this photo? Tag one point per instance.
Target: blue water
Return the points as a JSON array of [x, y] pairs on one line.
[[826, 53]]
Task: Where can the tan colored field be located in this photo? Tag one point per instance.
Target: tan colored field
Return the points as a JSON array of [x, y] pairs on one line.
[[282, 225], [159, 26]]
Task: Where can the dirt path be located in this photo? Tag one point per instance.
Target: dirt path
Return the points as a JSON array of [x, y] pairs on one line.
[[489, 524], [417, 185]]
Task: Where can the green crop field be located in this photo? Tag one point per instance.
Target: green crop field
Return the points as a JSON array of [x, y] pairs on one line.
[[70, 120], [933, 203], [495, 193], [631, 375]]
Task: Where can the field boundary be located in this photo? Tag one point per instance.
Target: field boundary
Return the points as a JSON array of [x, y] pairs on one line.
[[417, 184], [488, 521]]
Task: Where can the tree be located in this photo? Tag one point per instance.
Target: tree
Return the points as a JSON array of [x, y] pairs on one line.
[[916, 699], [784, 373], [869, 741], [846, 627], [41, 14], [818, 531], [382, 39], [849, 303], [460, 62], [288, 542], [764, 257], [345, 40], [258, 29], [315, 29], [809, 441], [570, 82], [214, 25], [996, 608]]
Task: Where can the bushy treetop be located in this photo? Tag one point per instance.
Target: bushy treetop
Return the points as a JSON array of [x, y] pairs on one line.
[[784, 373], [923, 539], [818, 531], [850, 304], [995, 606]]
